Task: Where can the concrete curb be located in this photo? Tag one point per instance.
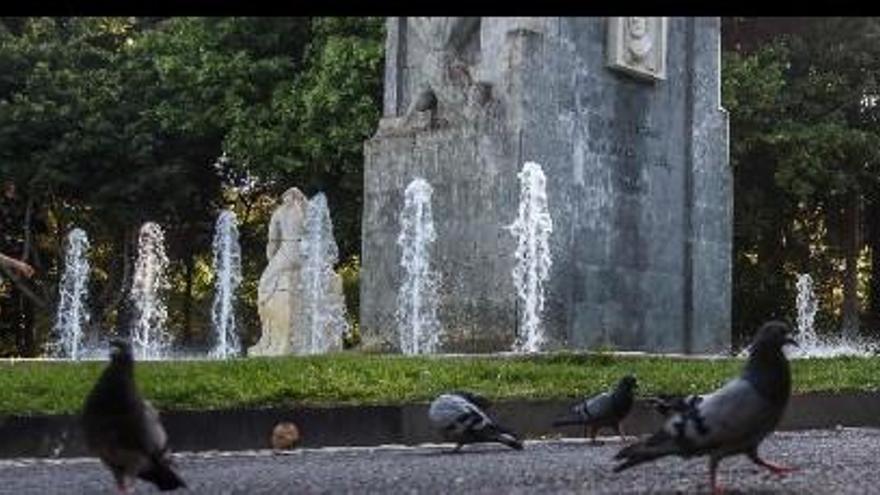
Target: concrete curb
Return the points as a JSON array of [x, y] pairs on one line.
[[246, 429]]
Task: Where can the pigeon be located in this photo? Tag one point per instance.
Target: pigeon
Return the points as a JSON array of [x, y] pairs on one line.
[[606, 410], [124, 430], [730, 421], [459, 419]]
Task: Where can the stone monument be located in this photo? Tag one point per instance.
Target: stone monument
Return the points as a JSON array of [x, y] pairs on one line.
[[277, 300], [624, 116]]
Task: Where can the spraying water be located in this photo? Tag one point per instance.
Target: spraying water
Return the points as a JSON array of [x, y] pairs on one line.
[[149, 337], [227, 267], [324, 306], [418, 326], [810, 344], [807, 307], [532, 229], [72, 315]]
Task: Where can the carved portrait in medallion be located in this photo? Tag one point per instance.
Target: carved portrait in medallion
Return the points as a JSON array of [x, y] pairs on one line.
[[637, 46]]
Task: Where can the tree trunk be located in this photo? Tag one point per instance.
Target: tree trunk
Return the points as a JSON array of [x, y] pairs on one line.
[[851, 242], [26, 308]]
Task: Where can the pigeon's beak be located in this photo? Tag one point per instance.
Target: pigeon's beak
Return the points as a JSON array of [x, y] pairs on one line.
[[791, 341]]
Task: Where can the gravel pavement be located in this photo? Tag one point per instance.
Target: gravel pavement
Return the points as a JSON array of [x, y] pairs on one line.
[[838, 461]]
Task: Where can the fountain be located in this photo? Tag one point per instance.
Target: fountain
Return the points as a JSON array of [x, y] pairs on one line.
[[810, 344], [149, 337], [72, 315], [532, 229], [323, 305], [227, 270], [807, 306], [418, 326]]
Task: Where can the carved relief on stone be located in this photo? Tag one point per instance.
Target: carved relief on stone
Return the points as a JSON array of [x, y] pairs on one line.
[[278, 305], [450, 69], [444, 33], [437, 51], [637, 46], [433, 73]]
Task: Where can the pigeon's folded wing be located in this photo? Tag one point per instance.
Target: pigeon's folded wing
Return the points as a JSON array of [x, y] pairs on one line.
[[474, 398], [455, 412], [599, 407], [732, 415]]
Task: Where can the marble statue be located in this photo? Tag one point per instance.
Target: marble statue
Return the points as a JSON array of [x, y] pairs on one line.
[[277, 301]]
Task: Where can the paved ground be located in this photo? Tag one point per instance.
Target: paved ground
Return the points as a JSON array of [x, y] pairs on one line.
[[830, 461]]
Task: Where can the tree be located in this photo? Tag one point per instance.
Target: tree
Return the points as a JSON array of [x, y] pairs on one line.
[[109, 122], [805, 156], [312, 134]]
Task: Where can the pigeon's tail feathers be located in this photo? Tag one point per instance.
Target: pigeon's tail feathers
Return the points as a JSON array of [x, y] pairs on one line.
[[510, 440], [163, 476], [658, 445], [569, 420], [635, 461]]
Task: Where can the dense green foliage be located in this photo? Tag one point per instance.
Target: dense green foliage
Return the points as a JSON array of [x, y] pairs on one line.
[[805, 147], [106, 123], [59, 387]]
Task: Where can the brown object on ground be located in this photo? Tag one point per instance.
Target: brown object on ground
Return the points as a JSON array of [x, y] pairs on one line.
[[285, 436]]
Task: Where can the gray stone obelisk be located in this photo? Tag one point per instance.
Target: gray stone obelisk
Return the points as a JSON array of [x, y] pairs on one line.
[[624, 116]]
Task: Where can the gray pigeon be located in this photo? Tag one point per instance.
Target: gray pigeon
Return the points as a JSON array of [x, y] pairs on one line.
[[124, 430], [606, 410], [734, 419], [460, 420]]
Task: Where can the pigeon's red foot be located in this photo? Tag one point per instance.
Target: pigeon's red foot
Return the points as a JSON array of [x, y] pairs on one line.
[[778, 469]]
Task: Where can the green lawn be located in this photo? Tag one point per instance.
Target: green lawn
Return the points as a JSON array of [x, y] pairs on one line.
[[59, 387]]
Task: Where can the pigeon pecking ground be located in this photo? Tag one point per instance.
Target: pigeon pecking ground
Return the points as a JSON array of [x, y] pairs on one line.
[[840, 461]]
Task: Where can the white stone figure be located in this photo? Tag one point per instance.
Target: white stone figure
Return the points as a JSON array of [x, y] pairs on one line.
[[637, 45], [277, 303], [639, 41]]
